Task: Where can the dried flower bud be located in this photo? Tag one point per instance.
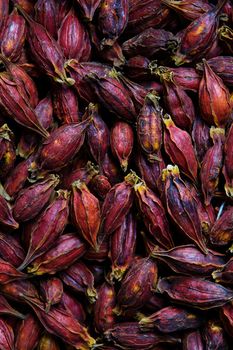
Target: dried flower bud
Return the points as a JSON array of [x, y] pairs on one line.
[[7, 151], [48, 342], [193, 341], [100, 186], [221, 233], [188, 9], [225, 274], [7, 309], [6, 218], [104, 317], [51, 291], [28, 334], [11, 249], [214, 336], [45, 14], [73, 306], [88, 7], [9, 273], [201, 138], [6, 335], [65, 104]]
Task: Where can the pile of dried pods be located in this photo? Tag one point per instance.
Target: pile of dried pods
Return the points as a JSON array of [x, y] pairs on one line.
[[116, 170]]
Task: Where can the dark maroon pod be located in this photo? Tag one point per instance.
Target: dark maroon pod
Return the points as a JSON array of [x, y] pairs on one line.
[[100, 186], [88, 7], [201, 138], [7, 220], [28, 333], [51, 291], [193, 341], [104, 317], [11, 249], [214, 336], [70, 303], [65, 104], [45, 14], [137, 68]]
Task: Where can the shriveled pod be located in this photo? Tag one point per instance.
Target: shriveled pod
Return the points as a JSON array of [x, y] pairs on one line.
[[112, 54], [225, 274], [188, 9], [7, 151], [28, 334], [99, 255], [122, 139], [214, 98], [178, 145], [48, 342], [6, 335], [62, 8], [65, 104], [88, 7], [226, 316], [193, 341], [225, 34], [20, 290], [221, 233], [27, 5], [110, 169], [181, 206], [7, 309], [4, 10], [51, 290], [201, 138], [11, 248], [104, 317], [7, 220], [100, 186], [9, 273], [212, 164], [149, 126], [214, 335], [228, 163], [137, 68], [70, 303], [45, 14]]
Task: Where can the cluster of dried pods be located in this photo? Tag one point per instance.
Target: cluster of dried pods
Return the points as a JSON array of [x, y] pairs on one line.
[[116, 154]]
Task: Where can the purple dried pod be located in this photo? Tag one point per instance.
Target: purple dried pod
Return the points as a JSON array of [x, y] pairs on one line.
[[154, 302], [31, 200], [7, 309], [221, 232], [104, 317], [137, 284], [226, 316], [88, 7], [44, 111], [171, 319], [6, 218], [27, 5], [62, 145], [65, 104], [222, 66], [112, 55], [20, 291], [225, 274], [137, 68], [73, 306], [51, 290], [188, 9], [4, 10], [228, 163], [8, 273], [79, 172], [28, 334], [27, 144], [195, 292], [212, 164], [6, 336], [64, 252], [193, 341], [45, 14], [7, 151], [73, 38], [99, 255], [48, 226], [201, 138], [11, 249], [110, 169], [100, 186], [181, 206], [80, 279], [187, 259], [62, 8], [99, 273], [214, 336], [48, 342]]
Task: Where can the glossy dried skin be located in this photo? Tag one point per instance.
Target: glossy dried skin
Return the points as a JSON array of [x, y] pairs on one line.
[[110, 169], [48, 226], [222, 66], [225, 274], [9, 273], [51, 290], [7, 151], [214, 336], [85, 212], [78, 172], [11, 249], [104, 317], [64, 252], [137, 68], [221, 233], [48, 342], [181, 206], [137, 92], [33, 199], [195, 292], [188, 259], [226, 316], [193, 341], [188, 9], [7, 220], [99, 255], [7, 309], [100, 186], [212, 164], [45, 14], [228, 163], [65, 104], [6, 335], [4, 10], [73, 306], [112, 55], [201, 138], [28, 334], [44, 111], [89, 7], [20, 290], [178, 145]]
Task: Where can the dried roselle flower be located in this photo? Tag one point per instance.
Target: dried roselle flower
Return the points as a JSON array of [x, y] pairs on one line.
[[122, 247], [27, 144], [44, 111], [110, 169], [113, 54], [225, 34], [65, 103], [187, 259], [100, 186], [48, 342], [104, 317], [178, 145], [221, 233], [4, 11], [137, 284], [6, 335], [7, 151], [9, 273], [98, 272], [14, 36], [195, 292], [62, 8], [187, 8], [198, 36], [82, 173], [33, 199], [99, 255], [45, 14], [154, 215], [27, 5], [226, 316], [73, 306], [88, 7], [51, 291], [20, 290], [149, 127], [122, 138], [214, 50], [47, 227], [225, 274], [214, 98], [212, 164], [80, 279], [28, 333], [85, 212], [6, 218], [62, 145], [154, 302], [214, 336], [193, 341], [201, 138], [228, 163], [148, 43], [181, 206], [11, 249], [137, 68], [7, 309]]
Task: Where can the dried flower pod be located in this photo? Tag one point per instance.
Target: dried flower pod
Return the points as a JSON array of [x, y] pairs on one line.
[[137, 68], [20, 291], [112, 54], [181, 206], [48, 342], [201, 138], [99, 255], [4, 10], [78, 172], [11, 249], [33, 199], [110, 169], [6, 335], [100, 186], [64, 252], [48, 227], [212, 164], [214, 336], [27, 5], [104, 317], [62, 8], [88, 7], [188, 9], [45, 14], [44, 111], [51, 290], [195, 292], [9, 273], [73, 306], [214, 98], [221, 233], [225, 34], [53, 154], [225, 274], [193, 341], [226, 316], [149, 126], [85, 212], [122, 142], [7, 150], [7, 309], [188, 259], [6, 218], [28, 334], [65, 103], [228, 163]]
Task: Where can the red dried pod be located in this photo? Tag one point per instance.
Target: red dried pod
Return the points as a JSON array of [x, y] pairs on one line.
[[20, 291], [214, 98], [228, 163], [33, 199], [85, 212], [9, 273], [178, 145], [181, 206], [226, 315], [212, 164], [27, 5], [73, 38], [188, 9], [7, 309], [225, 274], [104, 317], [154, 215], [110, 169], [62, 8], [122, 138], [100, 186], [45, 14], [155, 302], [80, 279], [65, 104], [64, 252], [6, 335], [193, 341], [62, 145], [112, 55], [11, 249], [187, 259], [48, 342], [148, 43], [198, 36], [149, 126], [28, 333], [201, 138], [7, 151], [221, 233], [4, 10], [73, 306], [27, 144], [47, 227], [137, 68], [51, 290], [44, 111], [88, 7], [195, 292], [137, 284], [214, 336], [6, 218], [99, 255], [122, 247]]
